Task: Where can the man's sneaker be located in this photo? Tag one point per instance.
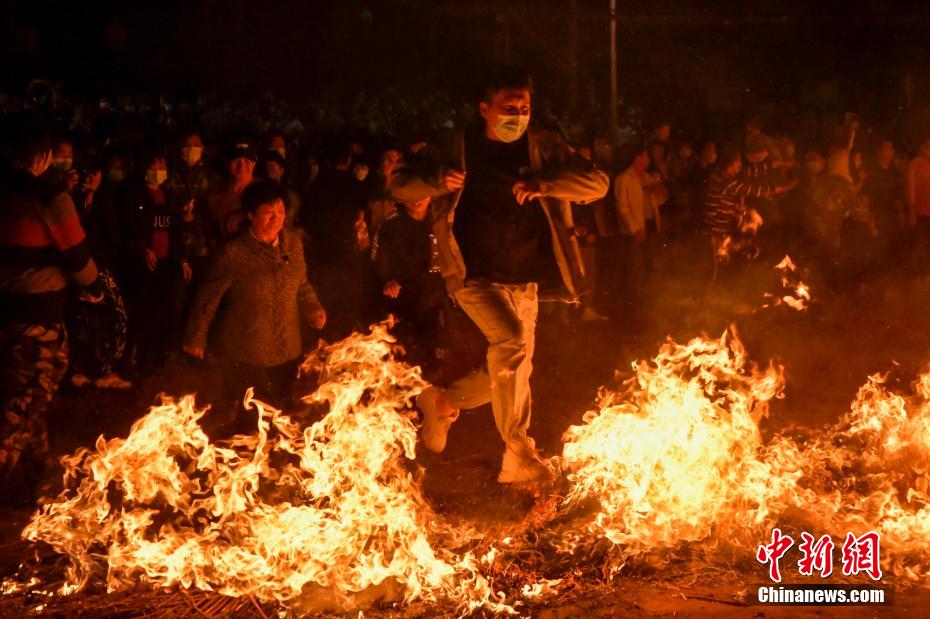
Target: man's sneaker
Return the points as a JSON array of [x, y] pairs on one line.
[[523, 466], [438, 417], [112, 381], [79, 380]]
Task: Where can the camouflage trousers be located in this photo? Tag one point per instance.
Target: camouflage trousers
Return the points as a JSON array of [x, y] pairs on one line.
[[33, 361]]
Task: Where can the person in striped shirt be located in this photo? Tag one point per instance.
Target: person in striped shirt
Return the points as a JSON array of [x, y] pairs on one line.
[[42, 249], [725, 214]]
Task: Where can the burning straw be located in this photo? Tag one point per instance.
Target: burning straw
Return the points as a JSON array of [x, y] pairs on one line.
[[675, 460], [326, 515], [672, 465]]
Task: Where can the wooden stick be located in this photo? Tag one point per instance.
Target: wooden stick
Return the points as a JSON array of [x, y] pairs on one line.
[[194, 604], [258, 608]]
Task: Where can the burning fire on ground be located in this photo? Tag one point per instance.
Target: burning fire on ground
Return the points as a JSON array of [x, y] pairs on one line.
[[293, 514], [333, 510], [796, 294]]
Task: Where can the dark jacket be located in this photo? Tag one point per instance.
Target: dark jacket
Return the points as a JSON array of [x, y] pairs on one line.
[[151, 224], [405, 250], [564, 177], [265, 295], [195, 182], [330, 209]]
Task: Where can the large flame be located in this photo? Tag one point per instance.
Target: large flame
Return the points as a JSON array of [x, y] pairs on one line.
[[292, 514], [677, 456], [300, 513], [673, 456]]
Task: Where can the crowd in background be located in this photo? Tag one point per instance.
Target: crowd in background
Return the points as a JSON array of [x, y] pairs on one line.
[[161, 189]]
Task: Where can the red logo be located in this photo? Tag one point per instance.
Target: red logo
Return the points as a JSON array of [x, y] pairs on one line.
[[859, 554], [773, 552]]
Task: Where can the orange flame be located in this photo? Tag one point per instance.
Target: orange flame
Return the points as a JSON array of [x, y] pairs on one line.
[[797, 295], [290, 514], [678, 457]]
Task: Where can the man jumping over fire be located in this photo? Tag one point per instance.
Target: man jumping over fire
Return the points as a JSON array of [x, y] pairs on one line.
[[494, 190]]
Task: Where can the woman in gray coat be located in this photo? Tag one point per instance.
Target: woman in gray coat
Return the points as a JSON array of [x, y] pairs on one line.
[[261, 278]]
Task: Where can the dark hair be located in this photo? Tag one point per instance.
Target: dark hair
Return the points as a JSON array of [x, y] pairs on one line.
[[149, 158], [337, 150], [629, 152], [62, 139], [728, 155], [26, 137], [506, 77], [189, 131], [272, 134], [262, 192]]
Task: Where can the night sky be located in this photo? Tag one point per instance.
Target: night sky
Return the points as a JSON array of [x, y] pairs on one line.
[[672, 53]]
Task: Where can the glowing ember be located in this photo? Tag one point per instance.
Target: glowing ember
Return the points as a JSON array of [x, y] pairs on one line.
[[292, 514], [797, 294]]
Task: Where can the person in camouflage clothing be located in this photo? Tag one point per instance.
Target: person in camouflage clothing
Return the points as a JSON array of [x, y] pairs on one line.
[[42, 245]]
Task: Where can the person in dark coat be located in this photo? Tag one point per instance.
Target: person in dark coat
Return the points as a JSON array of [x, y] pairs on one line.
[[335, 218]]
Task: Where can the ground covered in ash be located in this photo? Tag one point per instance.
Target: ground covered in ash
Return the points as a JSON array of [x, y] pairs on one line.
[[875, 324]]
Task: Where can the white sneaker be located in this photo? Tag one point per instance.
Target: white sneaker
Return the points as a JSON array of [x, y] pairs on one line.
[[112, 381], [523, 466], [589, 314], [436, 422], [79, 380]]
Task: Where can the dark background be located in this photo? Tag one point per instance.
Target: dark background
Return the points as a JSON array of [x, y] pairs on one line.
[[676, 55]]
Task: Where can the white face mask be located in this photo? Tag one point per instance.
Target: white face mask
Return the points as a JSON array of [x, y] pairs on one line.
[[281, 151], [62, 164], [511, 127], [116, 175], [156, 177], [191, 154]]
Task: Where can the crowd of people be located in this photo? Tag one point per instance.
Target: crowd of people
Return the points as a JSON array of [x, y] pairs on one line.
[[134, 230]]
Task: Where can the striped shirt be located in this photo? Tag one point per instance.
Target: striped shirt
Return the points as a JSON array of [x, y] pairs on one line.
[[42, 245], [723, 205]]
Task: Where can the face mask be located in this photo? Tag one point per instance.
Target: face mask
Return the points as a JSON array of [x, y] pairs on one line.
[[156, 177], [280, 150], [510, 127], [62, 164], [116, 175], [191, 154]]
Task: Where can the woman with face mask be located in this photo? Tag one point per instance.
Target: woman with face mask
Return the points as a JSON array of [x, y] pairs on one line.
[[190, 175], [160, 270]]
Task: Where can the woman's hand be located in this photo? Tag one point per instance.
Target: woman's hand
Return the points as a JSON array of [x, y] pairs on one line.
[[151, 260], [317, 318], [194, 351], [186, 272]]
